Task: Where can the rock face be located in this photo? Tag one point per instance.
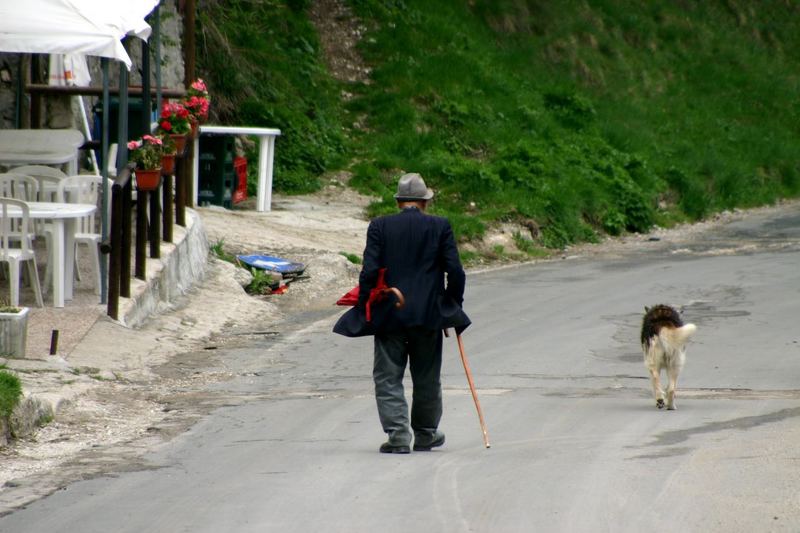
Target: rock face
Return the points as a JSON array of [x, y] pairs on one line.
[[30, 414], [8, 81]]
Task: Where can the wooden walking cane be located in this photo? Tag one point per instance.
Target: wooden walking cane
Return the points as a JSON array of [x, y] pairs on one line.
[[472, 388]]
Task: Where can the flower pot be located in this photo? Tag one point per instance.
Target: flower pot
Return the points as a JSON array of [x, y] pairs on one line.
[[180, 142], [195, 128], [168, 164], [148, 180], [14, 333]]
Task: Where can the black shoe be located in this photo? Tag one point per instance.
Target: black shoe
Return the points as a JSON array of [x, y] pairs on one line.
[[394, 448], [426, 445]]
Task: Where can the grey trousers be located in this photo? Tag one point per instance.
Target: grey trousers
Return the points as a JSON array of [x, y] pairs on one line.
[[421, 349]]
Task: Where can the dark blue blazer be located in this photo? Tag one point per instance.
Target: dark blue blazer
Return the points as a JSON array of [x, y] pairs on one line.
[[421, 259]]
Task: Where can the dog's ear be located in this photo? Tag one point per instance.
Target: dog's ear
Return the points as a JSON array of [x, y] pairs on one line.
[[646, 309]]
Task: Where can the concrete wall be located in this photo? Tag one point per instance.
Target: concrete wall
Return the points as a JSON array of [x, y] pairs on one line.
[[182, 264]]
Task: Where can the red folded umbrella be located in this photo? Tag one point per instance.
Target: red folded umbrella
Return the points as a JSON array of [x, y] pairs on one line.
[[378, 294]]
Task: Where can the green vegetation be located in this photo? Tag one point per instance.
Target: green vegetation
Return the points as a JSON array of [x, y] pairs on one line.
[[261, 62], [218, 249], [6, 307], [528, 247], [10, 392], [353, 258], [587, 117], [262, 282]]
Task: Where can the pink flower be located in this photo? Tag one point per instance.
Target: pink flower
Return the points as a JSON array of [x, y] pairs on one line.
[[174, 118], [133, 145]]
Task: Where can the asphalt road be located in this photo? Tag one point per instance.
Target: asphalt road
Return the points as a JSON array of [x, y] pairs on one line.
[[577, 443]]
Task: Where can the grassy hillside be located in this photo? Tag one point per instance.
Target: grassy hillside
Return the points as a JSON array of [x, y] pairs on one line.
[[581, 116], [262, 63]]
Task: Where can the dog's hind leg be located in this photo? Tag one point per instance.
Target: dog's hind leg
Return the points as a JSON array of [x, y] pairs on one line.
[[672, 373], [655, 381], [652, 356]]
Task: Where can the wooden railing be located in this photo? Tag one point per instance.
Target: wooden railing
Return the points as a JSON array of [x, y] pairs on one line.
[[165, 210]]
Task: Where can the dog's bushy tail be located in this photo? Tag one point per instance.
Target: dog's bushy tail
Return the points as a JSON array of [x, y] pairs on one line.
[[677, 337]]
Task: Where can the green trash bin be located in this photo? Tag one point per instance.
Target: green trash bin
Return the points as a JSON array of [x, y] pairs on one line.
[[216, 175]]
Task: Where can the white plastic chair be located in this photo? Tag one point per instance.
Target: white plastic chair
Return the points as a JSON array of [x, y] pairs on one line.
[[83, 189], [20, 187], [13, 255], [48, 178]]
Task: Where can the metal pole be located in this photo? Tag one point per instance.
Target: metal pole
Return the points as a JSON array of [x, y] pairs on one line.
[[36, 100], [18, 99], [157, 31], [146, 96], [104, 172], [122, 130], [117, 251]]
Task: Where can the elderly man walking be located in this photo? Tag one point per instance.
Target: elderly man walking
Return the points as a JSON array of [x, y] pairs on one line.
[[420, 256]]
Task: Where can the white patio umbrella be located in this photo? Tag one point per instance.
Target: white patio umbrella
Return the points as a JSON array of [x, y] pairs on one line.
[[62, 27]]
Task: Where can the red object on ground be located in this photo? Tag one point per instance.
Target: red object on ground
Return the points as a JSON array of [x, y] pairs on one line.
[[240, 167]]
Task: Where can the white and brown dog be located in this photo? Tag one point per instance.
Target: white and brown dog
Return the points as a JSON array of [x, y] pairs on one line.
[[664, 337]]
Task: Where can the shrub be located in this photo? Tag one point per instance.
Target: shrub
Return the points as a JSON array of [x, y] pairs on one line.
[[10, 392]]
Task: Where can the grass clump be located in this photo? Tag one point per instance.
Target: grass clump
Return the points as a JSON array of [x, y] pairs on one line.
[[10, 392], [353, 258], [527, 246], [218, 249], [262, 282]]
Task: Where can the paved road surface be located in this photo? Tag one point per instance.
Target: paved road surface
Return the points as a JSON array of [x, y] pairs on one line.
[[577, 443]]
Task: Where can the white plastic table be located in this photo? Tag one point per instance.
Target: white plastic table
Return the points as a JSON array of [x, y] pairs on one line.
[[41, 147], [63, 217], [266, 156]]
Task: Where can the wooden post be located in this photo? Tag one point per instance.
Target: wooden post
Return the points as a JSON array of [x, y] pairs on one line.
[[141, 235], [181, 177], [154, 234], [127, 233], [167, 219], [189, 54]]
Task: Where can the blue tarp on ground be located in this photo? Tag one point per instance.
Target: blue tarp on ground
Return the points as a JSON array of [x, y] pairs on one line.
[[273, 264]]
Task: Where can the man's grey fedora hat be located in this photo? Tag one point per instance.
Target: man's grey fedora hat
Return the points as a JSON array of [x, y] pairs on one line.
[[412, 187]]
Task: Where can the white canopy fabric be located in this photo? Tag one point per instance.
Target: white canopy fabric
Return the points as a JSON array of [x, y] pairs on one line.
[[136, 13], [90, 27]]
